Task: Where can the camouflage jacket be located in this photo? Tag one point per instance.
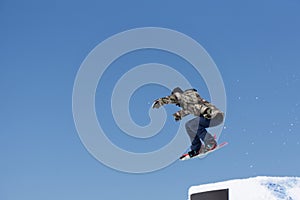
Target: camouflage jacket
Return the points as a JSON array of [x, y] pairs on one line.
[[191, 103]]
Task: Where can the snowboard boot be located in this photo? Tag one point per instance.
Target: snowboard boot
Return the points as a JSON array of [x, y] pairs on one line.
[[209, 143], [193, 153], [190, 154]]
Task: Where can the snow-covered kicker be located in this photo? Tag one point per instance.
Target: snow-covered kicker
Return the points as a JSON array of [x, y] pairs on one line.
[[257, 188]]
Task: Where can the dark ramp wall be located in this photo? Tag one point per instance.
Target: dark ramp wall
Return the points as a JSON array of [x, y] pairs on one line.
[[211, 195]]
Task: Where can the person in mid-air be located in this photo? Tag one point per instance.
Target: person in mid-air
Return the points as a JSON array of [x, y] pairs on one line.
[[207, 115]]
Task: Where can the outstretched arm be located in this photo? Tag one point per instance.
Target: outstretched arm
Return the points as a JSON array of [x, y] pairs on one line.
[[165, 100]]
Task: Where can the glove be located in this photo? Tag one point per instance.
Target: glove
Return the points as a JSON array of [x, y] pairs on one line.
[[156, 104], [208, 114], [177, 116]]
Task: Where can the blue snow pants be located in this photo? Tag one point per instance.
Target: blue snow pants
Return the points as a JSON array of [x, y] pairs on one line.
[[196, 129]]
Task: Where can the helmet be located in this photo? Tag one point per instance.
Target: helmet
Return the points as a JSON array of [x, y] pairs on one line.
[[177, 89]]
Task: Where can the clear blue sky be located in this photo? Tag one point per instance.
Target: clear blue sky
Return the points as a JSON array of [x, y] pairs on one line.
[[255, 45]]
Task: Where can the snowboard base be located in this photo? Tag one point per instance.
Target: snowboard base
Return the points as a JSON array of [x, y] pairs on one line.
[[201, 155]]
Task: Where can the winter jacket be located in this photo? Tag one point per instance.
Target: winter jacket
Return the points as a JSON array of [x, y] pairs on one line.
[[191, 103]]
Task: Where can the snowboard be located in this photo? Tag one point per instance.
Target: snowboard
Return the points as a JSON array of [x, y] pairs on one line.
[[202, 155]]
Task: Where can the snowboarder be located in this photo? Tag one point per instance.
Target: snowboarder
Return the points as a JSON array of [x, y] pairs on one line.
[[207, 115]]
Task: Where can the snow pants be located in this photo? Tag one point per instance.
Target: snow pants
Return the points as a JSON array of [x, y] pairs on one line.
[[196, 129]]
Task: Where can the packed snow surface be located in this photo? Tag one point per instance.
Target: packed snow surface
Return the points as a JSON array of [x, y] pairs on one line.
[[258, 188]]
